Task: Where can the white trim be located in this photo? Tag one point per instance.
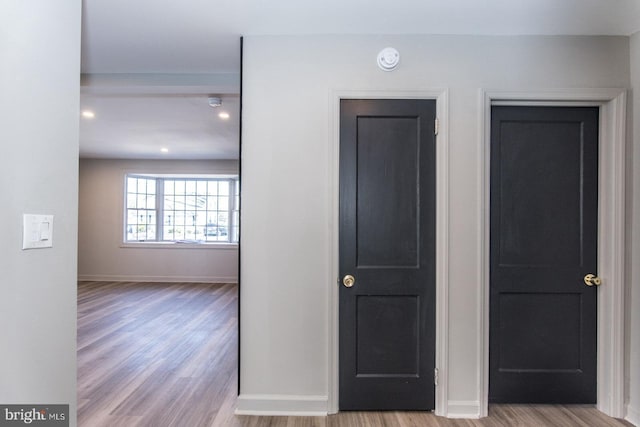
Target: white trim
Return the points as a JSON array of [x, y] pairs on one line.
[[482, 367], [442, 255], [464, 409], [611, 233], [442, 234], [180, 245], [611, 256], [633, 415], [161, 279], [282, 405]]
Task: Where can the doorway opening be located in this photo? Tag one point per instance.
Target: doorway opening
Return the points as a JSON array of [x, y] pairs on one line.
[[158, 232]]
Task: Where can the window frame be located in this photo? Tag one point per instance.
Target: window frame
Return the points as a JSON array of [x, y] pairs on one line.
[[160, 178]]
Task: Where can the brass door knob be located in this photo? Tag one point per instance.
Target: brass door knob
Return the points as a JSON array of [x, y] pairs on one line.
[[592, 279], [348, 280]]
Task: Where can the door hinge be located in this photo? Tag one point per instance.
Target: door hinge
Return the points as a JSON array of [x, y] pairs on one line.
[[435, 376], [437, 126]]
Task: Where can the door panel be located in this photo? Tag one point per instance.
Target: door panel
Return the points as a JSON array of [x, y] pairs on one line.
[[387, 228], [544, 204], [387, 242], [384, 324]]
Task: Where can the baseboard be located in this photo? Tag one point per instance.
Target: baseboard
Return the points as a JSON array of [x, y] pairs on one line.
[[168, 279], [282, 405], [633, 415], [463, 409]]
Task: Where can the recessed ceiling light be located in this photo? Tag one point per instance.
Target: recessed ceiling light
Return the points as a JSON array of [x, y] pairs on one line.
[[88, 114], [223, 115], [164, 150]]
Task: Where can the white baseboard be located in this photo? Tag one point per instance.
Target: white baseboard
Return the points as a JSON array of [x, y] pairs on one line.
[[633, 415], [282, 405], [463, 409], [168, 279]]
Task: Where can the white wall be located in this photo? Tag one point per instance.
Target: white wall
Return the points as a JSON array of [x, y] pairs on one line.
[[101, 255], [287, 185], [633, 363], [39, 97]]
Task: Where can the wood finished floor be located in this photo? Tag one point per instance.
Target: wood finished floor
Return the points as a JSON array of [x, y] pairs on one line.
[[164, 355]]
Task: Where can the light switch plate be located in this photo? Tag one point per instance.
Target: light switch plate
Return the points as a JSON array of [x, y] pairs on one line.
[[37, 231]]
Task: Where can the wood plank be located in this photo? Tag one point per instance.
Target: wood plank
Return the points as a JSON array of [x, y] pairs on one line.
[[155, 353], [165, 355]]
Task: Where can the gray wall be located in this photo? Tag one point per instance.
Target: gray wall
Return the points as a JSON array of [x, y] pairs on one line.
[[39, 87], [634, 220], [101, 255], [287, 139]]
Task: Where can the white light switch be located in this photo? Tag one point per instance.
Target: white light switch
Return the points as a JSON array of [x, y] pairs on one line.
[[37, 231]]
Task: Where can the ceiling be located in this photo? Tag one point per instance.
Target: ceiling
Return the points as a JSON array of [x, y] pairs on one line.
[[149, 65], [139, 126]]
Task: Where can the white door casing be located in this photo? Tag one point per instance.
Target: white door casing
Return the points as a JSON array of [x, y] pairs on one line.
[[442, 233], [611, 231]]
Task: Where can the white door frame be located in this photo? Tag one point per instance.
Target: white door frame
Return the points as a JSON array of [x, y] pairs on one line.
[[611, 231], [441, 97]]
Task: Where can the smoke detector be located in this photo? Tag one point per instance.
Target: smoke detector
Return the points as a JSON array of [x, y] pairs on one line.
[[388, 59], [215, 101]]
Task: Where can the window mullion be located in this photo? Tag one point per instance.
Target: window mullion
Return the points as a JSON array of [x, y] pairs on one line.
[[159, 209], [232, 207]]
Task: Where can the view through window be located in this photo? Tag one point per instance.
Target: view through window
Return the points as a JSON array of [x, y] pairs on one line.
[[181, 209]]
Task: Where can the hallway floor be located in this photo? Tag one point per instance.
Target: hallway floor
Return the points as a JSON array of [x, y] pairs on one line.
[[165, 355]]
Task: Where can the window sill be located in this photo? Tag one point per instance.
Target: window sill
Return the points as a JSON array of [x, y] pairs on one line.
[[179, 245]]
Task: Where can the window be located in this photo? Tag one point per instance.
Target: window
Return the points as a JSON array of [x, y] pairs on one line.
[[181, 209]]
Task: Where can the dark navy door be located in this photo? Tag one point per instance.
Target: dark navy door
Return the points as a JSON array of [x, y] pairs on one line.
[[544, 220], [387, 247]]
